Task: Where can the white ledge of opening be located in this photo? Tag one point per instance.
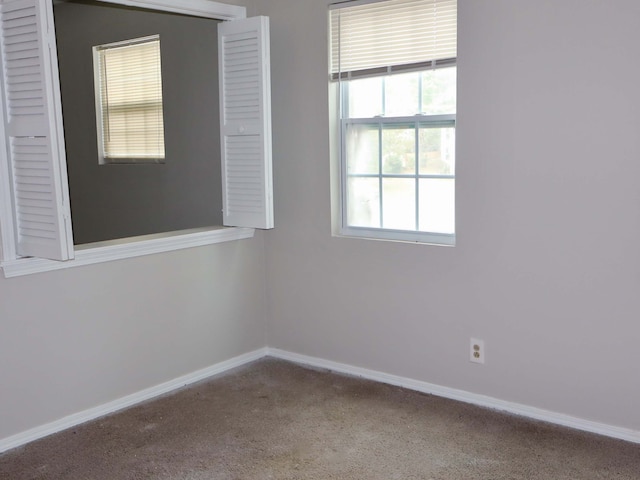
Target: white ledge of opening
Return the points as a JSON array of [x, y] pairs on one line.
[[199, 8], [99, 252]]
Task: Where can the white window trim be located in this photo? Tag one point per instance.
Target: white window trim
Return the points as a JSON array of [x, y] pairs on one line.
[[380, 233], [107, 251], [198, 8], [14, 265]]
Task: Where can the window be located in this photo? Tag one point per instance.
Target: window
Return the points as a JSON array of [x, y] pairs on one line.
[[394, 63], [35, 219], [128, 90]]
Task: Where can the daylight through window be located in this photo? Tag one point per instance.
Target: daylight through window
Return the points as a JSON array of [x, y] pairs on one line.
[[128, 87], [395, 62]]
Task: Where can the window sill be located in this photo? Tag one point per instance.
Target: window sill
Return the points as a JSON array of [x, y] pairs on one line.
[[403, 236], [129, 247]]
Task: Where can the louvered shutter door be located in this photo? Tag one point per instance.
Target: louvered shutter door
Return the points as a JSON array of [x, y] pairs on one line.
[[34, 134], [245, 122]]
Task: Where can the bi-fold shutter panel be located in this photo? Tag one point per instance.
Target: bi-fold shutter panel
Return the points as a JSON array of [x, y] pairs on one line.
[[245, 122], [35, 141]]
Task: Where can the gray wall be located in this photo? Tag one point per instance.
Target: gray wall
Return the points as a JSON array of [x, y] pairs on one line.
[[548, 215], [116, 201], [76, 339]]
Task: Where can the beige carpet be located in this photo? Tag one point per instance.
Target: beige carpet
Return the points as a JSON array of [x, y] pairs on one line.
[[275, 420]]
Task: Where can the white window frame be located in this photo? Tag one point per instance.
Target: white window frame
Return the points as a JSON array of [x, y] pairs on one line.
[[417, 121], [15, 265], [339, 123]]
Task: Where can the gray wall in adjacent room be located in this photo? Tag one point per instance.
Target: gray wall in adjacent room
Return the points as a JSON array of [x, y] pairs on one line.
[[116, 201]]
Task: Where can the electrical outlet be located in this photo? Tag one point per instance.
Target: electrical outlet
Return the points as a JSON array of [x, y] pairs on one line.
[[476, 351]]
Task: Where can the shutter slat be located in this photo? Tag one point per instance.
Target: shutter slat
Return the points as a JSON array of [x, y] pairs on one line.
[[37, 236], [34, 200]]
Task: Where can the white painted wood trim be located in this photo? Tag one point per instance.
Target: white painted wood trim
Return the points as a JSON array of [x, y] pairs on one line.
[[7, 221], [127, 248], [7, 230], [128, 401], [424, 387], [463, 396], [200, 8]]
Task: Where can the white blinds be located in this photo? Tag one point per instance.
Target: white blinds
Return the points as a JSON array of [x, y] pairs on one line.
[[371, 36], [129, 104]]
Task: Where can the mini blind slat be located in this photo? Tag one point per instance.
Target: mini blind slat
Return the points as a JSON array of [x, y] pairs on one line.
[[392, 32], [130, 88]]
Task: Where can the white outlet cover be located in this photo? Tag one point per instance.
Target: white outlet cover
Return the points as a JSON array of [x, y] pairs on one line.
[[476, 346]]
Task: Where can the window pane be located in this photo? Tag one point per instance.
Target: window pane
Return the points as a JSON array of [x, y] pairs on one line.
[[437, 205], [363, 149], [365, 97], [401, 95], [437, 150], [399, 150], [363, 202], [439, 91], [399, 203]]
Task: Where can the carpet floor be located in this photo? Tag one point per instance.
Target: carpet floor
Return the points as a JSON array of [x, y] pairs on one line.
[[276, 420]]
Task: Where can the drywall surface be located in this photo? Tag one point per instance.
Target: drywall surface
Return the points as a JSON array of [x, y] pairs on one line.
[[78, 338], [546, 267], [117, 201]]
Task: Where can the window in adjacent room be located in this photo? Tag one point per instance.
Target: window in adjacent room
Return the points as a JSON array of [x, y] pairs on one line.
[[128, 89], [394, 64]]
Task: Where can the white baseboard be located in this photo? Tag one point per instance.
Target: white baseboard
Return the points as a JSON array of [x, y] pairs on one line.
[[128, 401], [452, 393], [463, 396]]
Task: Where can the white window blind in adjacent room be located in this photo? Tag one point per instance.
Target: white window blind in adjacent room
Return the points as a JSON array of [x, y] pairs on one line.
[[129, 101], [373, 38]]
